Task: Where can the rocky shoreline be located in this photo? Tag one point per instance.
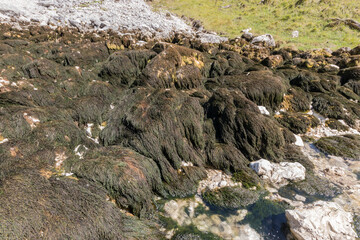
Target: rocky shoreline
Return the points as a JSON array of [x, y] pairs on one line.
[[105, 135]]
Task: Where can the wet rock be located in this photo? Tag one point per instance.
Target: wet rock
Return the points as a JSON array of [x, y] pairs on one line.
[[279, 173], [345, 146], [230, 197], [321, 220]]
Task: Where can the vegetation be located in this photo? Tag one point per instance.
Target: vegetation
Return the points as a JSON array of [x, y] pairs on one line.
[[277, 17]]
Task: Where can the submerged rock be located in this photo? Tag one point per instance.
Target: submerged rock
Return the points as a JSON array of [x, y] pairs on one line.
[[230, 197], [321, 220]]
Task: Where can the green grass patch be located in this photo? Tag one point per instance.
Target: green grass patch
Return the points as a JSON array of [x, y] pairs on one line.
[[279, 18]]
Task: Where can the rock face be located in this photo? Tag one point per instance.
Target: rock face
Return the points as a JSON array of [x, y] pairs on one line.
[[321, 220], [279, 173]]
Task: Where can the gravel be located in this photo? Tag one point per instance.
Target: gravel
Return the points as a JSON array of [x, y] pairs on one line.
[[119, 15]]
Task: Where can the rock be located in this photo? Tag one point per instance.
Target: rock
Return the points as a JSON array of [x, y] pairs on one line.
[[321, 220], [331, 68], [279, 173], [247, 233], [266, 39], [263, 110], [299, 142], [295, 34]]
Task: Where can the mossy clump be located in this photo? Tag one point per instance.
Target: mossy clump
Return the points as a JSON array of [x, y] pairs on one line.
[[335, 124], [230, 197], [297, 122], [343, 146], [248, 179]]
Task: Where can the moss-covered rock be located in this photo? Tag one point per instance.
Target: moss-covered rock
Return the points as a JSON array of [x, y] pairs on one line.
[[230, 197], [32, 206], [248, 179], [313, 188], [297, 122], [296, 100], [328, 106], [335, 124], [165, 125], [175, 66], [344, 146], [261, 87], [352, 73], [123, 68], [238, 122], [130, 179]]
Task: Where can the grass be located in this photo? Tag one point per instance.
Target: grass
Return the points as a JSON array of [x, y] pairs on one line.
[[279, 18]]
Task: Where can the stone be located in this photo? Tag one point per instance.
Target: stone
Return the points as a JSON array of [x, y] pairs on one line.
[[263, 110], [299, 142], [321, 220], [265, 39], [295, 34], [279, 173], [247, 233]]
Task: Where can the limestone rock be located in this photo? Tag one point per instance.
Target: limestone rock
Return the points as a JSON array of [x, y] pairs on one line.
[[321, 220], [279, 173], [266, 39]]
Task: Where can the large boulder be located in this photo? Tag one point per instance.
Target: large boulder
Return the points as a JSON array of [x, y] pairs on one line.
[[321, 220]]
